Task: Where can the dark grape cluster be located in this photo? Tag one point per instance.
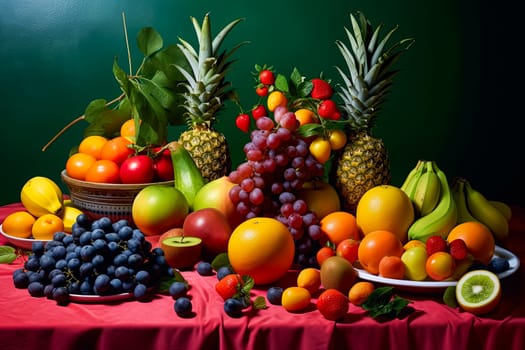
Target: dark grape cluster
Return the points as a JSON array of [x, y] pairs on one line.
[[278, 163], [99, 257]]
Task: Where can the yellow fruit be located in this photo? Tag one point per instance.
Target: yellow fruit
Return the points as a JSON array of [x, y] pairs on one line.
[[46, 225], [337, 139], [18, 224], [295, 299], [310, 279], [305, 116], [41, 195], [360, 292], [414, 243], [320, 148], [69, 217], [276, 99]]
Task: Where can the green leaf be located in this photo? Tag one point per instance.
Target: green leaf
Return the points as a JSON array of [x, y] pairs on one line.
[[149, 41], [220, 260], [311, 129], [104, 121], [259, 303], [7, 254], [449, 297], [281, 83], [121, 77], [296, 78], [383, 303], [305, 88], [166, 282]]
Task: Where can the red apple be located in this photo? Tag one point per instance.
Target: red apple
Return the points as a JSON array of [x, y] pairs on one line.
[[321, 197], [215, 194], [212, 226]]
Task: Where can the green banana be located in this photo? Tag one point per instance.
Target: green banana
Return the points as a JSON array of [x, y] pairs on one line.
[[41, 195], [412, 178], [427, 191], [187, 177], [503, 208], [440, 220], [458, 192], [486, 213]]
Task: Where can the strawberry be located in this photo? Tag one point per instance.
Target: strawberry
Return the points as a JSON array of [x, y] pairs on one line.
[[436, 244], [327, 108], [258, 112], [332, 304], [266, 77], [243, 122], [321, 89], [229, 286], [458, 249]]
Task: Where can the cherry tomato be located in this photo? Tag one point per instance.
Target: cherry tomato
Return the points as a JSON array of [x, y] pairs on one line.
[[266, 77], [258, 111], [261, 90], [243, 122], [137, 169]]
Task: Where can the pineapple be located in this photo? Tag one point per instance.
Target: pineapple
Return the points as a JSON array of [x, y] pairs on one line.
[[364, 163], [206, 91]]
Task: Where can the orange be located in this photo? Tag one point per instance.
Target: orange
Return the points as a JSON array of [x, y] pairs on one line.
[[374, 246], [385, 207], [127, 130], [310, 279], [117, 149], [478, 238], [276, 99], [332, 304], [324, 253], [46, 225], [78, 164], [295, 299], [360, 291], [262, 248], [18, 224], [305, 116], [104, 171], [414, 243], [92, 145], [338, 226], [391, 267]]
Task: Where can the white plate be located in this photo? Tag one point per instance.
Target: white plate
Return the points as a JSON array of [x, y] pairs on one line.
[[435, 286], [80, 298], [24, 243]]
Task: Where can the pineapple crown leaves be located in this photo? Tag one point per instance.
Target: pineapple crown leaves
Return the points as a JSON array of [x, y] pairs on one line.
[[369, 64], [206, 85]]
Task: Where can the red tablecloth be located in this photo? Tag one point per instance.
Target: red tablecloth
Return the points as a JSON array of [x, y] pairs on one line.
[[38, 323]]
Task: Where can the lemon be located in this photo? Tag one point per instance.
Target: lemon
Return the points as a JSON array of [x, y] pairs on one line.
[[478, 291]]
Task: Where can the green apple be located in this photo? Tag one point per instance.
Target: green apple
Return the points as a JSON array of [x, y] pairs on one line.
[[157, 208], [415, 259], [321, 197], [182, 252]]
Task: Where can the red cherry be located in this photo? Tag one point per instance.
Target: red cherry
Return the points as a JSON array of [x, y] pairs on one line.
[[258, 112], [261, 90], [327, 108], [243, 122], [266, 77]]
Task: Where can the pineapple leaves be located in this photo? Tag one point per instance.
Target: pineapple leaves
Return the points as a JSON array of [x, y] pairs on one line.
[[149, 41]]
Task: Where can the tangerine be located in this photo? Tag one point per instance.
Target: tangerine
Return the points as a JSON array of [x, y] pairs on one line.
[[391, 266], [309, 278], [305, 116], [18, 224], [360, 291], [128, 130], [262, 248], [276, 99], [385, 207], [105, 171], [295, 299], [46, 225], [478, 239], [92, 145], [117, 150], [338, 226], [374, 246], [78, 164]]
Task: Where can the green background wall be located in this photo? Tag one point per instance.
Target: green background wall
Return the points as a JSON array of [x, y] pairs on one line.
[[455, 101]]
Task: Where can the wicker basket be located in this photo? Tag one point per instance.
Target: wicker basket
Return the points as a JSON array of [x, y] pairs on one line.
[[103, 199]]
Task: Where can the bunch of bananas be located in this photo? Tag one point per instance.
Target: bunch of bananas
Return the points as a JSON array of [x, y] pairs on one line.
[[41, 195], [472, 205], [428, 189]]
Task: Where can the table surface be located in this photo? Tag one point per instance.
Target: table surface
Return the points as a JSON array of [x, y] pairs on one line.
[[38, 323]]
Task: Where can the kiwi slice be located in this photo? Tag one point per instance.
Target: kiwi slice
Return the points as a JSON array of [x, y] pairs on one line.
[[478, 291]]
